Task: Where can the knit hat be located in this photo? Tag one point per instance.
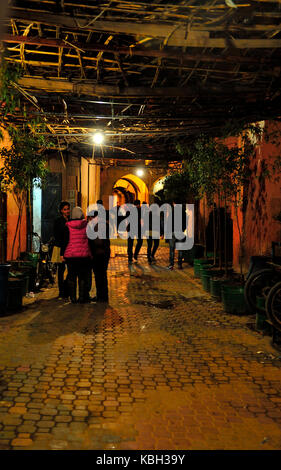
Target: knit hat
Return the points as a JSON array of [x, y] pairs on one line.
[[77, 213]]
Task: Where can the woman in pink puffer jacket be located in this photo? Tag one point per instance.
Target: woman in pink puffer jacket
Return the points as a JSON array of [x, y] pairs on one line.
[[77, 255]]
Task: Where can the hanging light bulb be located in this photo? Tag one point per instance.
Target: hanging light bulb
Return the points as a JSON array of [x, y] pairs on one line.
[[98, 138], [140, 172]]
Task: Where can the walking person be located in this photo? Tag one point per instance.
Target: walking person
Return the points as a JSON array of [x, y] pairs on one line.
[[153, 236], [77, 254], [58, 234], [138, 237], [100, 250], [173, 240]]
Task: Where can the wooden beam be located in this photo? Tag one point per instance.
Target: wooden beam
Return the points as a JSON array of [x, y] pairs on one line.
[[63, 86], [134, 51], [163, 12], [176, 34]]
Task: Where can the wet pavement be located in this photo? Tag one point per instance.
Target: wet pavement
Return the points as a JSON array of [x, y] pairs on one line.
[[162, 366]]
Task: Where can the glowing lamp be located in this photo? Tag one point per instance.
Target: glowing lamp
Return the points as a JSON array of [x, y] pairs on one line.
[[98, 138], [140, 172]]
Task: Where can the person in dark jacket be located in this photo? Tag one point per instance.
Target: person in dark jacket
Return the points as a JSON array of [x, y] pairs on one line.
[[77, 254], [153, 236], [100, 250], [173, 240], [58, 233], [138, 238]]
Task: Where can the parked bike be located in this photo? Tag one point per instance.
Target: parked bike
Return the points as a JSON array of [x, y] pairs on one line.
[[259, 285], [273, 305], [45, 270], [266, 283]]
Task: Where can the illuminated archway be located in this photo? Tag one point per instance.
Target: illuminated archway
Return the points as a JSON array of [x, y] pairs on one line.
[[158, 185], [156, 189], [128, 188]]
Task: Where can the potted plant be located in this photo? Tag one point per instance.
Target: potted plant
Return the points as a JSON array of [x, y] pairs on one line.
[[24, 165], [205, 166], [4, 273], [23, 161], [3, 231], [242, 155], [237, 158], [218, 169], [177, 187]]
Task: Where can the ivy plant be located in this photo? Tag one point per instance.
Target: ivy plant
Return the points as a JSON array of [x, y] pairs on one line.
[[177, 187], [10, 97], [23, 165], [24, 162], [217, 172]]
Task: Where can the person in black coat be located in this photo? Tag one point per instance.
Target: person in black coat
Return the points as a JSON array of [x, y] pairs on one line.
[[173, 239], [100, 250], [154, 235], [58, 233], [139, 239]]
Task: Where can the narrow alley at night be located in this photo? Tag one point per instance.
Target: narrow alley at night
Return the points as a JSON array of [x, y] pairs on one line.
[[162, 366], [140, 228]]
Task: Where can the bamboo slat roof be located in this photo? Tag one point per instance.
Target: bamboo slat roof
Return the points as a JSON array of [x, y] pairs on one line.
[[146, 73]]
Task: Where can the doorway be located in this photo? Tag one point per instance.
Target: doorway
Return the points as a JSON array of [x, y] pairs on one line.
[[3, 226], [128, 188], [51, 198]]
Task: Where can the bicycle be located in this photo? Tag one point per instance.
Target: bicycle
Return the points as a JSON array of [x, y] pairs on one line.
[[273, 304], [45, 269], [260, 283]]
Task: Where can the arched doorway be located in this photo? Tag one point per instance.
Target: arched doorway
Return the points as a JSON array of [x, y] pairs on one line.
[[128, 188], [157, 188], [224, 236]]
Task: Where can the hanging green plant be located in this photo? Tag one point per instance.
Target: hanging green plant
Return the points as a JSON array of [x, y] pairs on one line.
[[10, 97], [218, 171], [177, 187], [13, 98], [24, 162]]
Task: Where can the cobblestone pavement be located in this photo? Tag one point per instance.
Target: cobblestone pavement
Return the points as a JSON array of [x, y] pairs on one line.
[[161, 367]]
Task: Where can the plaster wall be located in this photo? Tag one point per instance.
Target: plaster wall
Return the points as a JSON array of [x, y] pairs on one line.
[[80, 179], [12, 216], [84, 184], [69, 167], [262, 200]]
